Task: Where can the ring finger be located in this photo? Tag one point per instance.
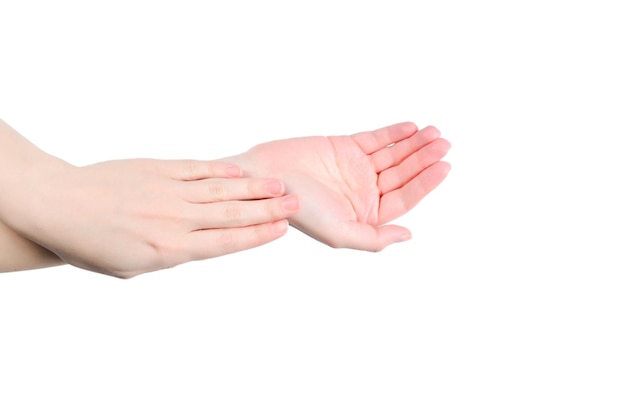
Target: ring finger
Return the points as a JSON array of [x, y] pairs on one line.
[[238, 213]]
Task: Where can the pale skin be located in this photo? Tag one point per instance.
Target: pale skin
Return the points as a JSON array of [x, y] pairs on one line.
[[129, 217], [351, 186], [340, 190]]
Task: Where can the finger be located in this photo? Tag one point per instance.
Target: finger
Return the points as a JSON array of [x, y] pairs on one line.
[[399, 175], [399, 201], [237, 213], [220, 189], [373, 141], [362, 236], [188, 170], [203, 244], [398, 152]]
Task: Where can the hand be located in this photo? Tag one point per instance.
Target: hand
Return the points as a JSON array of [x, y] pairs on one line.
[[129, 217], [351, 186]]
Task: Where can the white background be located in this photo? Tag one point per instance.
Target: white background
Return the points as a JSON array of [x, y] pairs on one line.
[[510, 301]]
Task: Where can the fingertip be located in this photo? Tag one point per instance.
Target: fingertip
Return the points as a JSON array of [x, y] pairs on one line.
[[396, 233], [275, 187], [279, 228], [431, 131], [291, 204], [405, 236], [437, 149], [445, 167], [409, 127], [374, 239], [446, 142]]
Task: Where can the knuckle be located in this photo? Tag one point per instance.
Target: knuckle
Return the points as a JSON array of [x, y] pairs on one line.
[[232, 212], [216, 191], [187, 169], [254, 189], [227, 240], [192, 170]]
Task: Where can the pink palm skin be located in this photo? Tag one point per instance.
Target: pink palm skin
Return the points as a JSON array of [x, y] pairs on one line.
[[351, 186]]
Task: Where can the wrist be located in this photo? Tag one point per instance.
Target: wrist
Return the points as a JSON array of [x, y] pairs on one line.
[[253, 163]]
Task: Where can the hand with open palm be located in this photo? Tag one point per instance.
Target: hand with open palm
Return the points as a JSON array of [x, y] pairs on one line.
[[351, 186]]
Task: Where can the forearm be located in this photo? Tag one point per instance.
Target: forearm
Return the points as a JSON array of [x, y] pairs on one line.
[[128, 217], [18, 253], [21, 168], [24, 174]]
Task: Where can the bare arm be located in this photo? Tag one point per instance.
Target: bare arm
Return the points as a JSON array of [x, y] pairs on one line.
[[128, 217], [18, 253], [16, 156], [350, 186]]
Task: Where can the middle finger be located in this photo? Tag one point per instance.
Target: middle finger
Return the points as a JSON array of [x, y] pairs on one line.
[[224, 189]]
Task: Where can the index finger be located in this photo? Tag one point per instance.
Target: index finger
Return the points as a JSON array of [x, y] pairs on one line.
[[373, 141]]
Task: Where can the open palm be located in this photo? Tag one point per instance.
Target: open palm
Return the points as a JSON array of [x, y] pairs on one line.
[[352, 186]]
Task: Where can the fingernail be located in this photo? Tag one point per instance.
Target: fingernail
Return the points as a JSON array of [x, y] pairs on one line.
[[275, 187], [405, 237], [291, 203], [233, 171]]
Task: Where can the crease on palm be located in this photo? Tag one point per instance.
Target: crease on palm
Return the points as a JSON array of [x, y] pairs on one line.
[[342, 181], [358, 179]]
